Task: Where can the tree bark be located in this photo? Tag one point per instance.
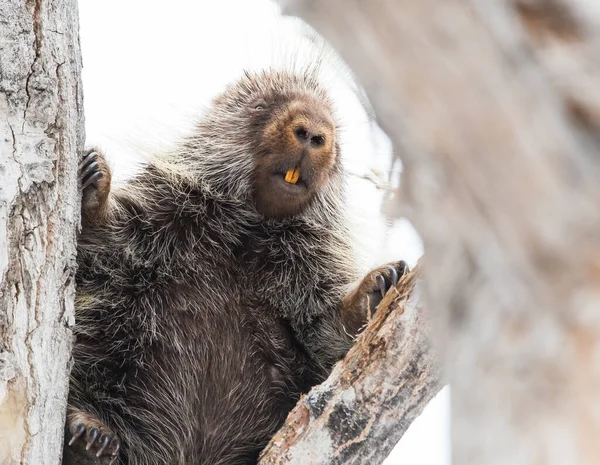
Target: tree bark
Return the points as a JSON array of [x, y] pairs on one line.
[[495, 109], [41, 128], [371, 397]]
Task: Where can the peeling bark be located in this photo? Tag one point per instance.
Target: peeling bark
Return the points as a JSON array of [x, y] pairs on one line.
[[41, 129], [370, 399], [495, 109]]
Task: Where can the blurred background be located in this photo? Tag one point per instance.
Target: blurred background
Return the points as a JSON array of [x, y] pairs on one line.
[[149, 70]]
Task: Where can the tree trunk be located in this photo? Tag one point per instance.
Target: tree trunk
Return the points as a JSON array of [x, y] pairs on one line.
[[495, 109], [371, 397], [41, 128]]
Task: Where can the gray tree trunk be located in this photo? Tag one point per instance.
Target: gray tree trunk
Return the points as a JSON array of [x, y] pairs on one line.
[[41, 134], [495, 109]]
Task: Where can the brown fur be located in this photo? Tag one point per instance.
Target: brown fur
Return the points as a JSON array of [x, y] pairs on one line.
[[211, 295]]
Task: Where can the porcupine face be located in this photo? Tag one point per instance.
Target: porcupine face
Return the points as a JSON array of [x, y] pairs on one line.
[[289, 121]]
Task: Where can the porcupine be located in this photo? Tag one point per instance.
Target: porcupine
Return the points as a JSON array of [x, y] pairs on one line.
[[217, 285]]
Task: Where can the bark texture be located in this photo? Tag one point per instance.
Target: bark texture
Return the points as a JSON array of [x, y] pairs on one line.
[[495, 109], [371, 397], [41, 133]]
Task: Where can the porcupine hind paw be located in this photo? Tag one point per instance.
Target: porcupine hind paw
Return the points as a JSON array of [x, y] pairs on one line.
[[91, 437]]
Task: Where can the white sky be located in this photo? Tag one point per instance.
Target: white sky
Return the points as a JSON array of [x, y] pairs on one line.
[[150, 67]]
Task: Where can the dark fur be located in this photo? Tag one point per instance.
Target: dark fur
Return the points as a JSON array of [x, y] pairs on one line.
[[206, 302]]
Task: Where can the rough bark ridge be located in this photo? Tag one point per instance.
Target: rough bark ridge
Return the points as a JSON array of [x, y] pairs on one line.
[[370, 399], [495, 107], [41, 128]]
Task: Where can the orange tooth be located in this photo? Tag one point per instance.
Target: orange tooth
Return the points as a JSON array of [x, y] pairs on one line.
[[292, 175]]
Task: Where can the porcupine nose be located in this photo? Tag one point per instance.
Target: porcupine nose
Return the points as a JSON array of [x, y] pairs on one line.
[[311, 138]]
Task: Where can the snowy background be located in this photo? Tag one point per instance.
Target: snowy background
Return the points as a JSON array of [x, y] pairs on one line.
[[151, 67]]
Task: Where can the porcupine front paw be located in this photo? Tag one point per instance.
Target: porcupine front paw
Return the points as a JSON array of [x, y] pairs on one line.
[[90, 437], [362, 301], [94, 178], [379, 281]]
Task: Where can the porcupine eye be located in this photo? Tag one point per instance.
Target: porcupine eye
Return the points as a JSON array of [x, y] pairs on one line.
[[260, 105]]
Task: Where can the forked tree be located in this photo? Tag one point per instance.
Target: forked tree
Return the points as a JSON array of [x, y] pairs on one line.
[[494, 108]]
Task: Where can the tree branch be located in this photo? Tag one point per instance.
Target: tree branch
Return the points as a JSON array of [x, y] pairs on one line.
[[361, 411]]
